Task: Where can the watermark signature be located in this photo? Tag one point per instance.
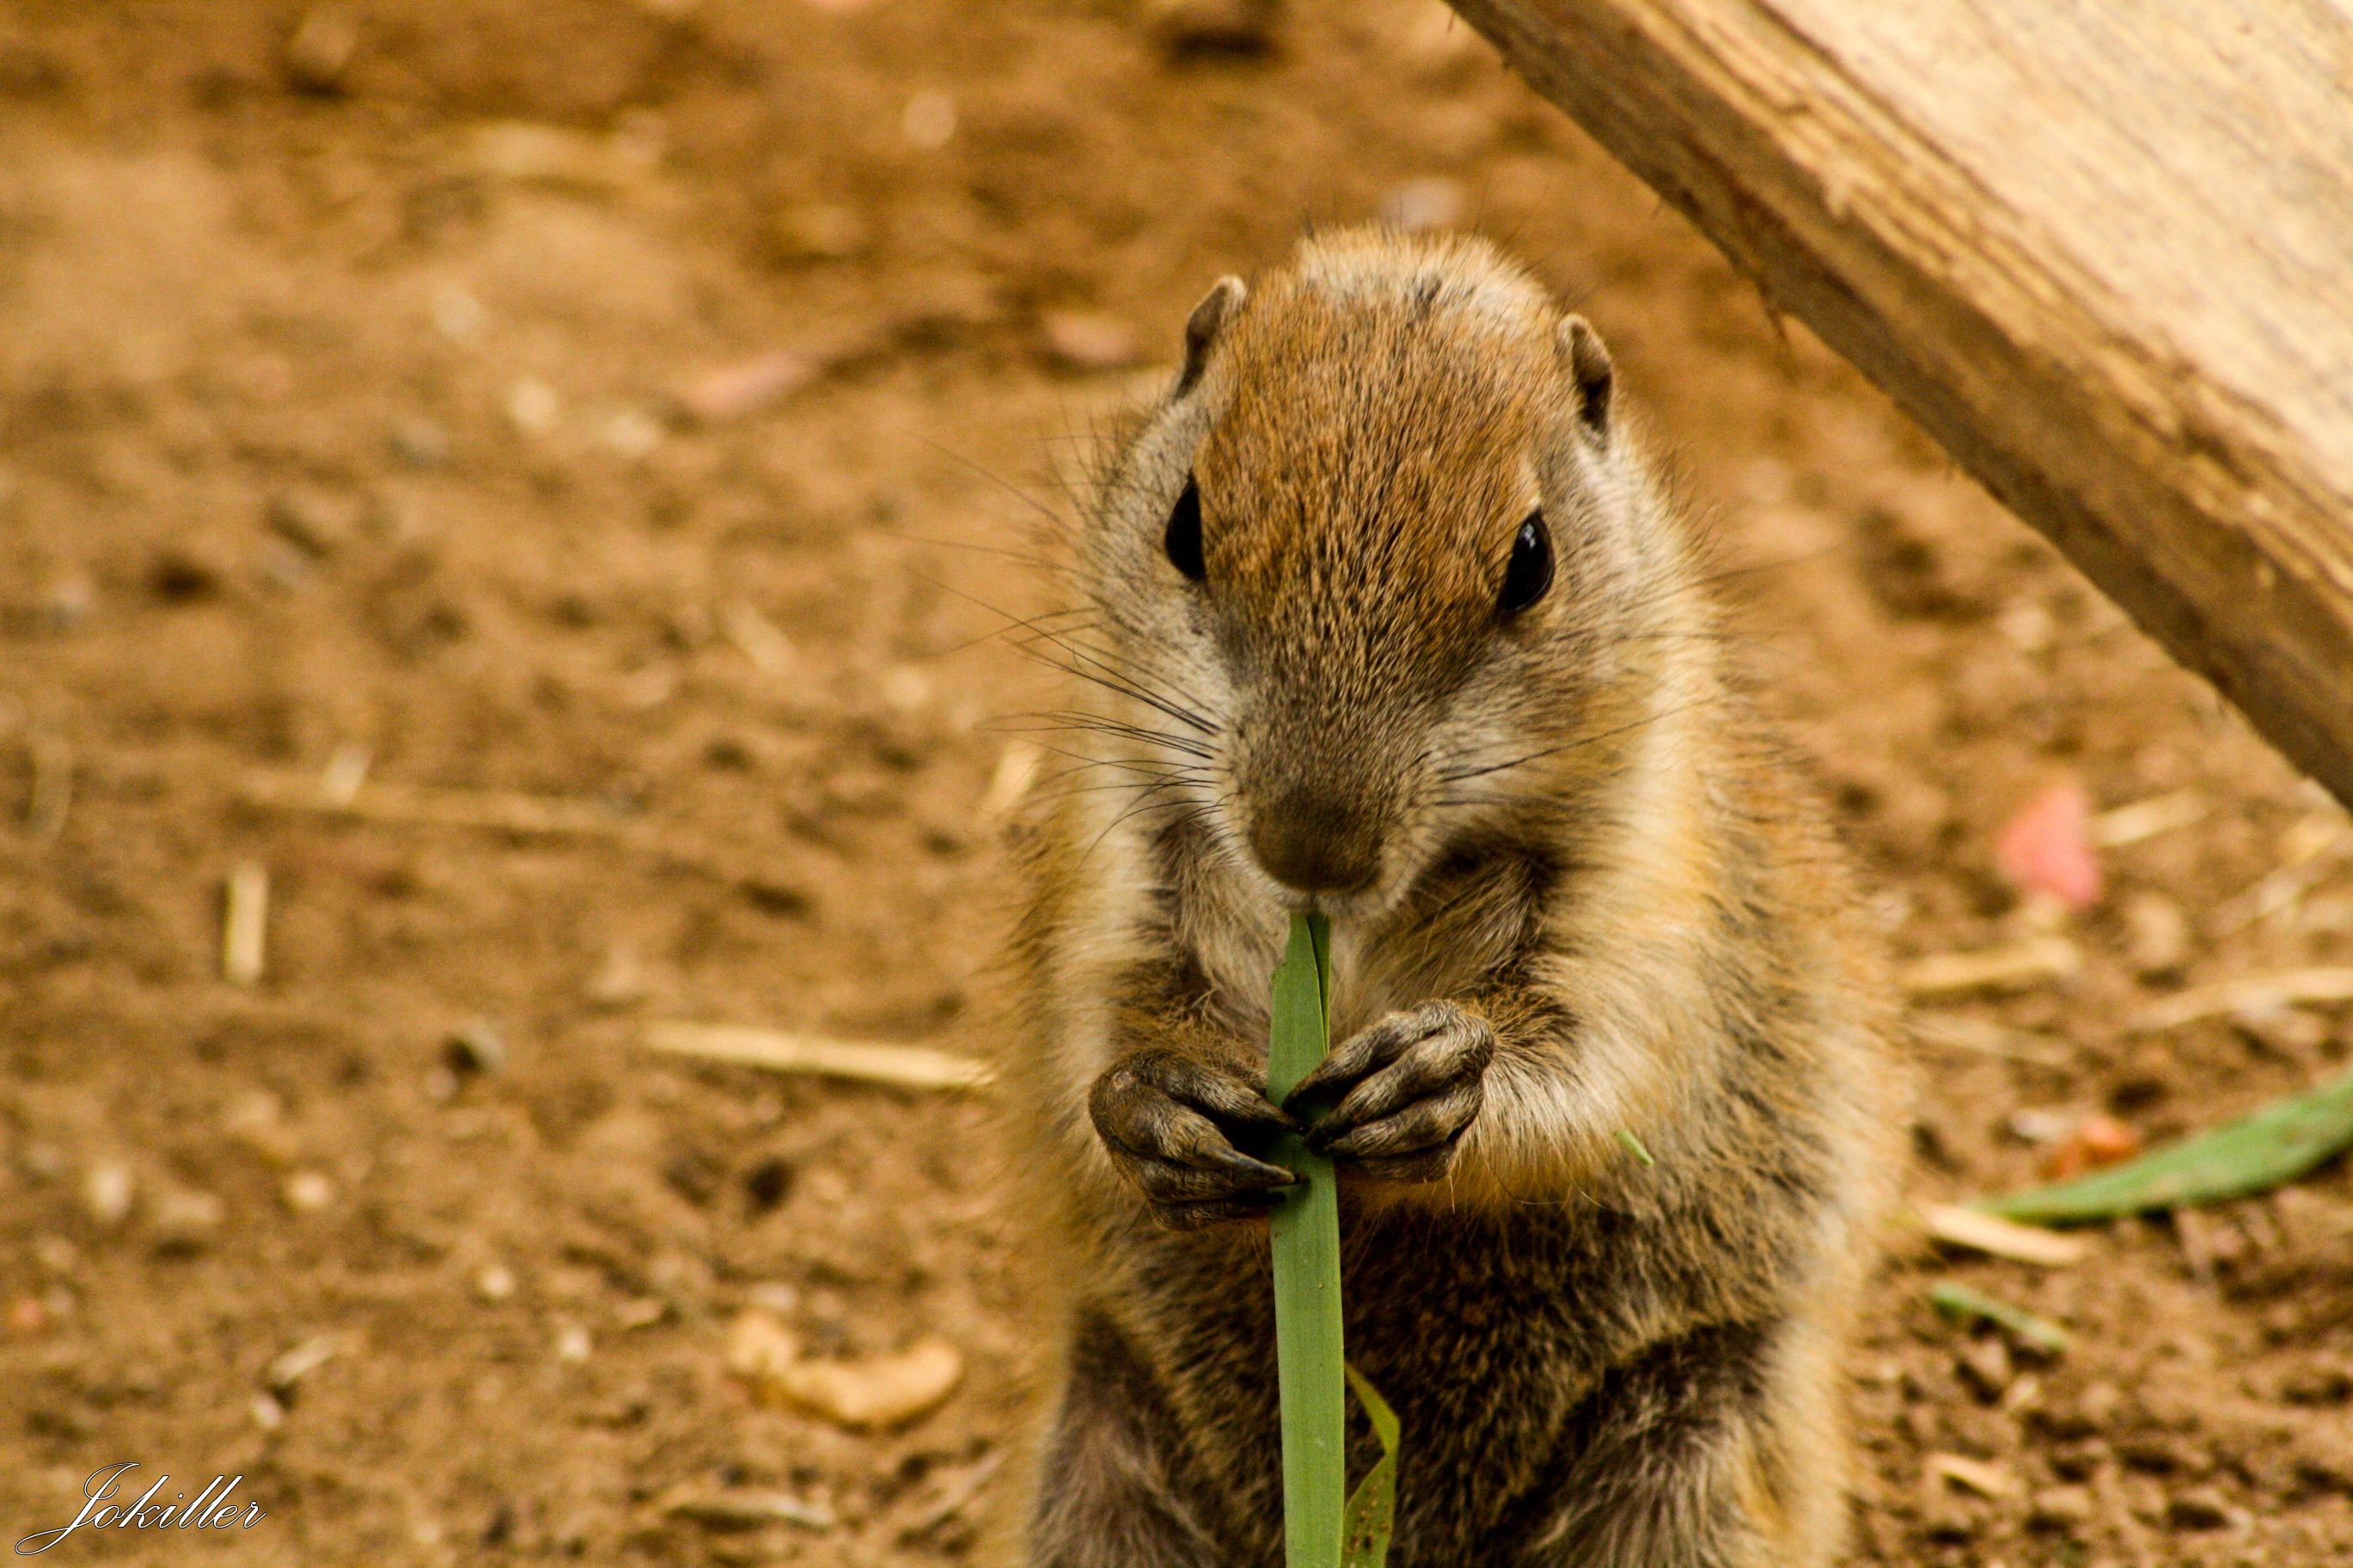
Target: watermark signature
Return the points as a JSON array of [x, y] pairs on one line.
[[214, 1509]]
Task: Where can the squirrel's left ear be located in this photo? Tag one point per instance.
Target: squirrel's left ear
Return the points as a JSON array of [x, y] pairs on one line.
[[1202, 327], [1587, 364]]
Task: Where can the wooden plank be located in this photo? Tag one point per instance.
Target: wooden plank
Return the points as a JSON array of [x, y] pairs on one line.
[[2103, 253]]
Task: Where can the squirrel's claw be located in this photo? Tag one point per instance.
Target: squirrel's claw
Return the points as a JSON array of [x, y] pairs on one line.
[[1406, 1089], [1169, 1123]]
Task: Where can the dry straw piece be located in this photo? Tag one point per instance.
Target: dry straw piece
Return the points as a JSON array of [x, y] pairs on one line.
[[245, 924], [867, 1061], [1990, 1234]]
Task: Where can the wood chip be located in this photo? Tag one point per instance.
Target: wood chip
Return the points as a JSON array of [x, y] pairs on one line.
[[1983, 1037], [245, 924], [304, 1359], [759, 1348], [910, 1067], [747, 1510], [874, 1392], [2142, 819], [2313, 859], [525, 153], [339, 785], [862, 1393], [950, 1496], [2264, 994], [1979, 1232], [755, 636], [1988, 1480], [2009, 967], [747, 386]]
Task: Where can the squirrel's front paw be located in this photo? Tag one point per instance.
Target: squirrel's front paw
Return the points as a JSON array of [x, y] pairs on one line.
[[1402, 1093], [1170, 1123]]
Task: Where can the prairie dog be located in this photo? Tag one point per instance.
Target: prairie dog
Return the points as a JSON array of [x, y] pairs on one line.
[[1384, 616]]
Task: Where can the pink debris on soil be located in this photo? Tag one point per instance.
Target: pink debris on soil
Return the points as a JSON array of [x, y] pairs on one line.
[[2047, 847]]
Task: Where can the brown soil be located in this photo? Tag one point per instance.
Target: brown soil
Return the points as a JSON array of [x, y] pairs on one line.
[[329, 418]]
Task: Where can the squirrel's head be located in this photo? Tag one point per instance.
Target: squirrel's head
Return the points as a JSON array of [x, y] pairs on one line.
[[1372, 568]]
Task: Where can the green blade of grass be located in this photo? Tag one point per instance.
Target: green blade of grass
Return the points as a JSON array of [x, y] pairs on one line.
[[1310, 1361], [1965, 1306], [2255, 1154], [1372, 1506]]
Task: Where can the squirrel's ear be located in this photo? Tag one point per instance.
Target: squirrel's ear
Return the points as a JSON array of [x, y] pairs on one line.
[[1587, 364], [1202, 327]]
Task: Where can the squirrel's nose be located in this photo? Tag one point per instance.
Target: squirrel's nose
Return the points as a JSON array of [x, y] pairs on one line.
[[1312, 843]]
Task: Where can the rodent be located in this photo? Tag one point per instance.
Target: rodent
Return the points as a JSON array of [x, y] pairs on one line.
[[1381, 611]]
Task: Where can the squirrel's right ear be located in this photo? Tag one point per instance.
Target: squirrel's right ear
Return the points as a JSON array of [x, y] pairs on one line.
[[1587, 364], [1202, 327]]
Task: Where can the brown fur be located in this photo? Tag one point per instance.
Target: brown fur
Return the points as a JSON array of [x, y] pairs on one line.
[[1583, 846]]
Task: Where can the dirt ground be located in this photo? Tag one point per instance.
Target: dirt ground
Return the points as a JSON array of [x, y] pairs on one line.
[[611, 411]]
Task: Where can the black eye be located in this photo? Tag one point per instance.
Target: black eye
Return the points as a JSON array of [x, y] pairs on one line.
[[1184, 540], [1530, 571]]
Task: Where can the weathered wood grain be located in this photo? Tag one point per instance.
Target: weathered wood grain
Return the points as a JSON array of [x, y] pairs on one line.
[[2104, 253]]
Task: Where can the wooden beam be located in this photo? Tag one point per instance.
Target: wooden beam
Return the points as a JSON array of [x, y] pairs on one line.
[[2103, 253]]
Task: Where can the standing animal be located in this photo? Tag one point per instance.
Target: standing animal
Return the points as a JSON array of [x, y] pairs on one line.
[[1384, 616]]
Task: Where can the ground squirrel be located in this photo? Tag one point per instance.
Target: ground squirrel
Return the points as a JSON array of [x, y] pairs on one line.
[[1381, 612]]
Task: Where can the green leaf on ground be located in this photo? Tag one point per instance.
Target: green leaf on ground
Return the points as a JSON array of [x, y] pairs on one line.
[[2267, 1150]]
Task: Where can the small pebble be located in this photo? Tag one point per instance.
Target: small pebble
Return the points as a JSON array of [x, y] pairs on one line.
[[1088, 340], [68, 602], [572, 1344], [629, 433], [420, 443], [308, 1192], [258, 1120], [321, 48], [186, 1217], [495, 1283], [776, 1296], [266, 1413], [620, 979], [759, 1348], [474, 1048], [929, 120], [2202, 1508], [2157, 934], [1984, 1366], [2060, 1507], [817, 231], [457, 314], [533, 405], [106, 1191]]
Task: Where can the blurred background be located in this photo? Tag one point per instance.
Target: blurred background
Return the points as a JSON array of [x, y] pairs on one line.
[[503, 508]]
